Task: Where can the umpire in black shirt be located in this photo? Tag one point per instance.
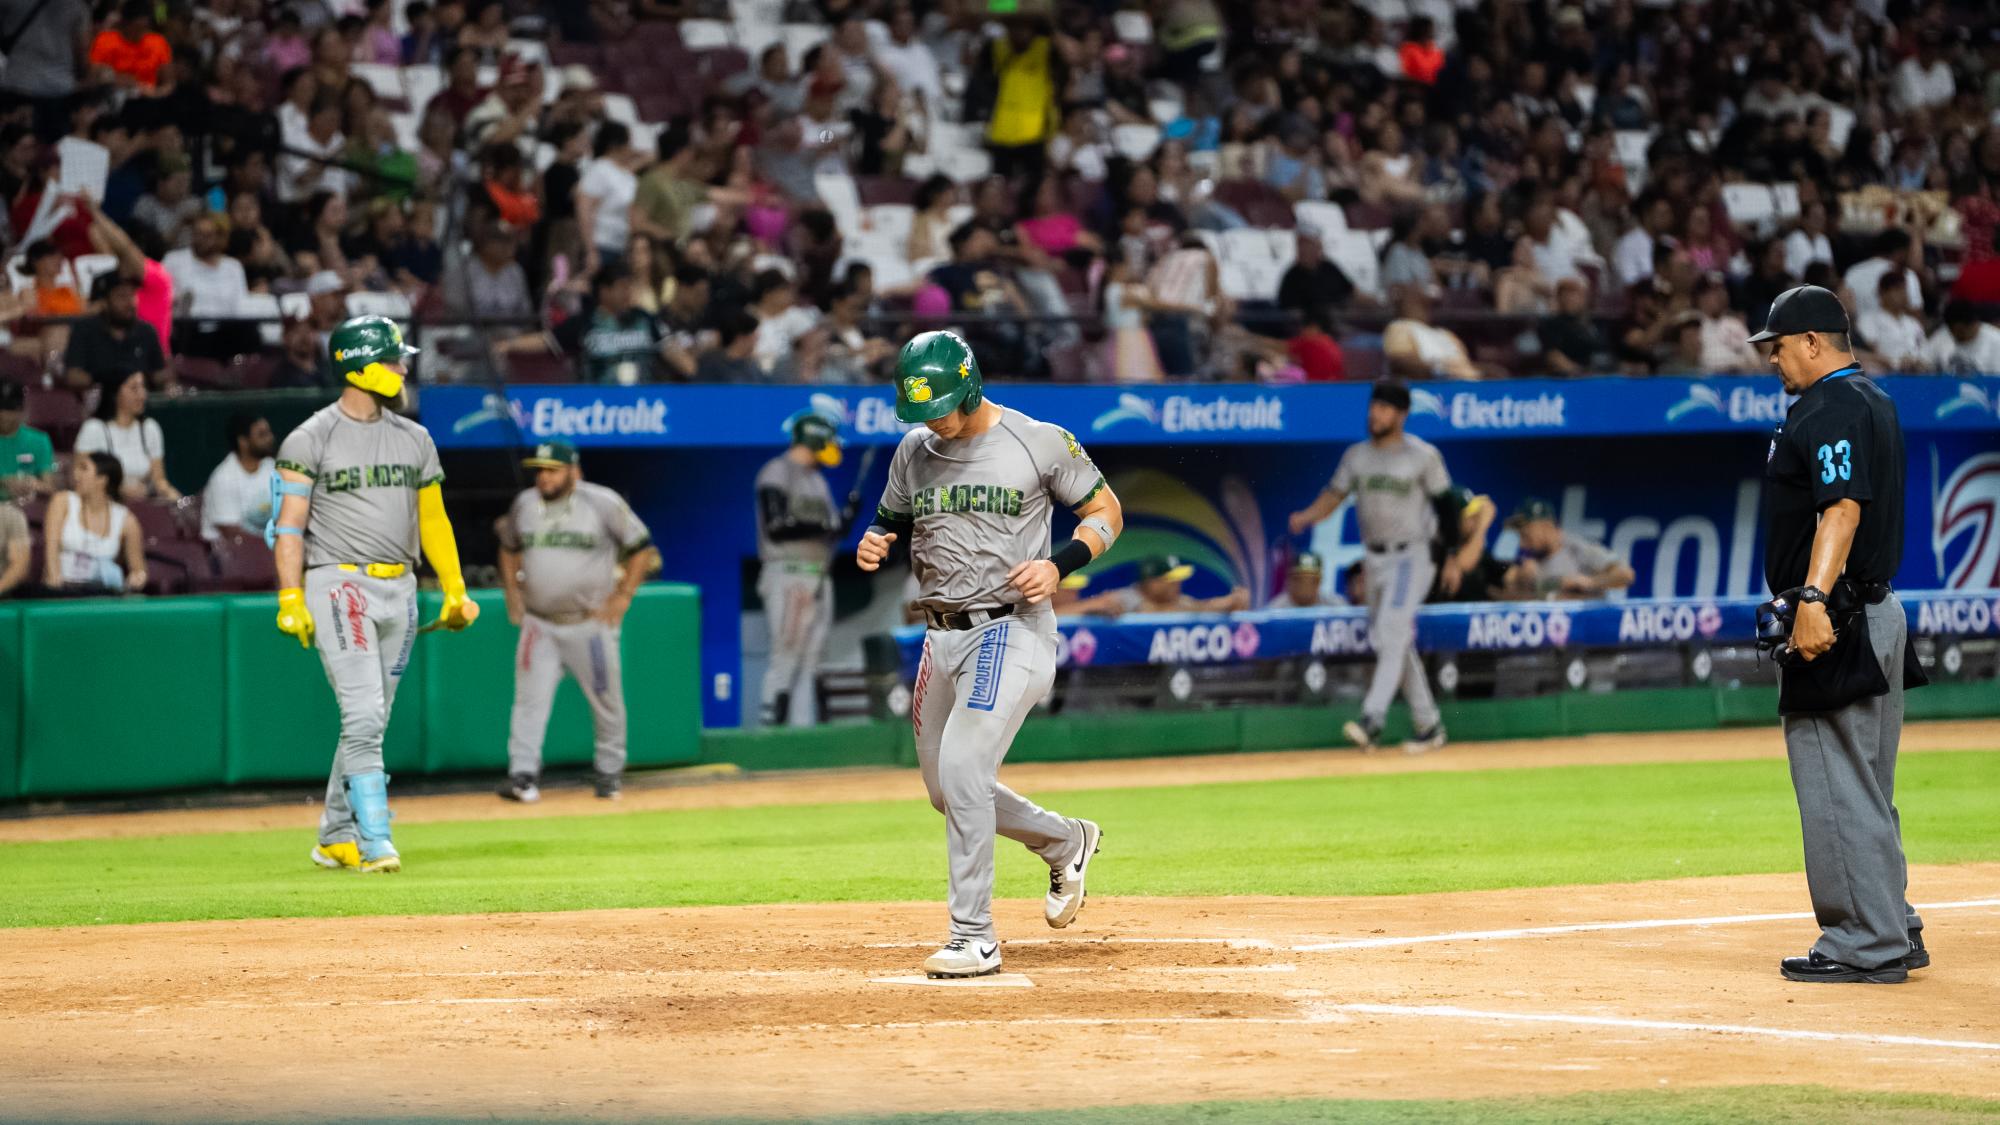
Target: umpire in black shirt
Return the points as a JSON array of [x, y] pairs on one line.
[[1833, 504]]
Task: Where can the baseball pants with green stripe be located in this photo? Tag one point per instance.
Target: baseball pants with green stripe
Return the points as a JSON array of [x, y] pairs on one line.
[[1397, 583], [974, 687], [587, 650]]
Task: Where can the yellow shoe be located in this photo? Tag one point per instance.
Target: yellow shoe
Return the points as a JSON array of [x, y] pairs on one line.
[[383, 865], [337, 856]]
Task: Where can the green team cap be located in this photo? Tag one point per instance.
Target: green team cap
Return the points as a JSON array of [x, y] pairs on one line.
[[936, 373], [365, 340], [1532, 509], [1164, 566], [552, 455]]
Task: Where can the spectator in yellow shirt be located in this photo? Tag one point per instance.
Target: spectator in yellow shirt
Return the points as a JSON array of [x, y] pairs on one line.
[[1024, 108]]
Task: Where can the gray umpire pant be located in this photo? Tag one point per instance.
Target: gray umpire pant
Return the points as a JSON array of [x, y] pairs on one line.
[[1397, 583], [1844, 772], [587, 650], [364, 629], [798, 606], [974, 687]]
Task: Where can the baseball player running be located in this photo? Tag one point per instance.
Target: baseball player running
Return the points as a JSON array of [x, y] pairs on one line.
[[572, 554], [797, 526], [1399, 485], [972, 491], [358, 491]]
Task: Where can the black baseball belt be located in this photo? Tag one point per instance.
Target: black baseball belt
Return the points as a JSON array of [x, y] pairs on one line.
[[967, 619]]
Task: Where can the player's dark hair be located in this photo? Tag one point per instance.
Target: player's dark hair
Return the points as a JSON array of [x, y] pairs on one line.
[[240, 425]]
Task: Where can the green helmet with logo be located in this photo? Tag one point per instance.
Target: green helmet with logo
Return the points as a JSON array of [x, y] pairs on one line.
[[816, 432], [935, 375], [362, 346]]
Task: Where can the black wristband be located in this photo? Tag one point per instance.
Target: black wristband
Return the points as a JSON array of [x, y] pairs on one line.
[[1810, 594], [1071, 556]]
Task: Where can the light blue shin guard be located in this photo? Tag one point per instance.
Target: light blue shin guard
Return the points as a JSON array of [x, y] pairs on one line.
[[368, 796]]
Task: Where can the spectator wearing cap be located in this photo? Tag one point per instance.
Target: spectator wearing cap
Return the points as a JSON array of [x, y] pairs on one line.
[[120, 428], [1725, 349], [1158, 590], [1893, 336], [237, 499], [115, 343], [1966, 345], [1571, 343], [132, 53], [1895, 249], [1418, 349], [606, 192], [1555, 564], [511, 114], [616, 341], [27, 459], [1305, 582], [1313, 286]]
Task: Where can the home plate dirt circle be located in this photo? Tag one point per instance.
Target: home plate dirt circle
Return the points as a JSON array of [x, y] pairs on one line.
[[786, 1009]]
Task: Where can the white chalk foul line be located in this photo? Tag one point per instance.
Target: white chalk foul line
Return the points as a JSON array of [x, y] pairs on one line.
[[1596, 927], [1447, 1011], [1229, 942]]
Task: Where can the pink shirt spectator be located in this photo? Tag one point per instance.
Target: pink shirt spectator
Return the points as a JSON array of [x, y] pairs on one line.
[[155, 301], [1055, 233], [383, 46], [283, 54]]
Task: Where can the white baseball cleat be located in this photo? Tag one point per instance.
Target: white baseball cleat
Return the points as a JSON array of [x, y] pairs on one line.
[[1424, 743], [1066, 881], [963, 957], [1361, 734]]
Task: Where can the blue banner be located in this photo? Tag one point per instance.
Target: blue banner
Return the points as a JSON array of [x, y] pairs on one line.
[[465, 417], [1237, 638]]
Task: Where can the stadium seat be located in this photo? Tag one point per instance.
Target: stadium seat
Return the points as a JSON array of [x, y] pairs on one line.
[[718, 65], [1751, 206], [295, 306], [244, 564], [539, 367], [891, 220], [1785, 197], [1321, 216], [56, 413], [535, 51], [967, 165], [385, 80], [799, 38], [1259, 203], [621, 108], [253, 372], [420, 85], [15, 368], [201, 374], [262, 307], [90, 267], [1135, 142], [838, 193], [1353, 252], [391, 304], [1165, 111], [1364, 364], [156, 522], [702, 35], [577, 54], [1132, 26]]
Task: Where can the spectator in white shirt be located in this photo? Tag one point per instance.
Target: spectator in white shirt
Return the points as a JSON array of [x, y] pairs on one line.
[[1965, 345], [321, 149], [1555, 255], [1890, 331], [905, 58], [1633, 256], [1418, 349], [781, 320], [122, 430], [207, 282], [605, 193], [1924, 80], [1725, 339], [1809, 243], [237, 498], [1894, 250]]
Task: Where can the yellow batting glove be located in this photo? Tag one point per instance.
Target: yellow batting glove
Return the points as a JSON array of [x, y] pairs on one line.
[[459, 611], [292, 616]]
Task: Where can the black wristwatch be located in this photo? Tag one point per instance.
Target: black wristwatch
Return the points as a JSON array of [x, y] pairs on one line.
[[1810, 594]]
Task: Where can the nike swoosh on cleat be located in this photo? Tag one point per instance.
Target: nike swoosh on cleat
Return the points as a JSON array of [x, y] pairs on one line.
[[989, 951]]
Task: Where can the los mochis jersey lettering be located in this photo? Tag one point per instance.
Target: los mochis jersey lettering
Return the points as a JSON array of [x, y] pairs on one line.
[[559, 538], [1382, 482], [952, 499], [372, 476]]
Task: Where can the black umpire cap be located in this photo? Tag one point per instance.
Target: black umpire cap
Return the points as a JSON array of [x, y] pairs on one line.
[[1806, 308], [1392, 392]]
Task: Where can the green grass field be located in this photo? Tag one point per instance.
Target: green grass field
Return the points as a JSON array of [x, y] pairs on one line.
[[1389, 834]]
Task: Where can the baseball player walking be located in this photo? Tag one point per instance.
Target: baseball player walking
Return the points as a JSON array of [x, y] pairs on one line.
[[973, 490], [358, 491], [797, 526], [572, 554], [1833, 495], [1399, 485]]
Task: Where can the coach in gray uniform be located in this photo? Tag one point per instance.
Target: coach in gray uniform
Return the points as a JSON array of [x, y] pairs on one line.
[[797, 526], [1833, 504], [572, 554], [972, 490], [1399, 484]]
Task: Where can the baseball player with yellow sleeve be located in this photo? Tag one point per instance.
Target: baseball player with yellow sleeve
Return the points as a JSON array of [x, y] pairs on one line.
[[972, 489], [358, 492]]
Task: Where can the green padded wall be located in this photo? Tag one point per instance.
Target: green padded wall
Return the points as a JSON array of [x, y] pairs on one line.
[[124, 695], [10, 701], [278, 717], [469, 688]]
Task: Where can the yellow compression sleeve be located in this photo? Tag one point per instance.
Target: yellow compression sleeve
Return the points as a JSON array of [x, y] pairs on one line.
[[440, 546]]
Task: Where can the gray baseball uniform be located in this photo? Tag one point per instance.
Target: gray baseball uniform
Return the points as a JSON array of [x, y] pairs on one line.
[[365, 478], [796, 527], [571, 550], [1392, 487], [980, 506]]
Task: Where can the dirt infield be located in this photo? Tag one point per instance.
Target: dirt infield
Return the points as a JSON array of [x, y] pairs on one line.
[[780, 1010], [670, 790]]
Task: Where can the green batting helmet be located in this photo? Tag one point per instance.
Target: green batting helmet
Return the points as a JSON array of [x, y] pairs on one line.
[[816, 432], [361, 346], [935, 375]]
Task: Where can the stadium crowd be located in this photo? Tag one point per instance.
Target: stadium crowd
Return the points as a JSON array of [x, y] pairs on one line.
[[780, 190]]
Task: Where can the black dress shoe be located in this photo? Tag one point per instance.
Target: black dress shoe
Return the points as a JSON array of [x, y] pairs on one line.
[[1918, 957], [1815, 967]]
